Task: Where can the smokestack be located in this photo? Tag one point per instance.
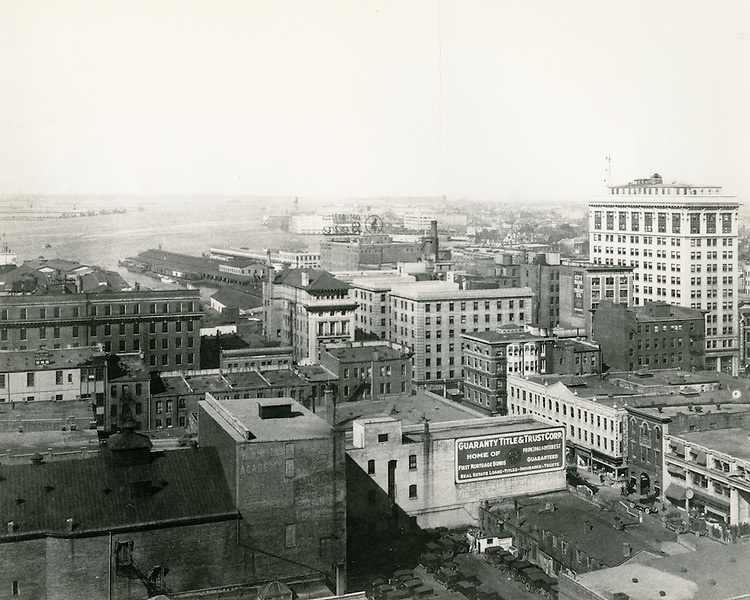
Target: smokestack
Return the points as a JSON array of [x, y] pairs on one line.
[[434, 238], [327, 410]]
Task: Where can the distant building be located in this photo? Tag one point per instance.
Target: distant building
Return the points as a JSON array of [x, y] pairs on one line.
[[370, 250], [305, 308], [648, 426], [568, 293], [128, 394], [243, 266], [681, 240], [368, 369], [285, 471], [298, 260], [656, 335], [175, 397], [576, 357], [591, 410], [239, 301]]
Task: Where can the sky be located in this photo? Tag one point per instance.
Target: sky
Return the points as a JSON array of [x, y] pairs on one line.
[[469, 99]]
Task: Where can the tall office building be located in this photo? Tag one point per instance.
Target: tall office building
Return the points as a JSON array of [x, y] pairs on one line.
[[681, 240]]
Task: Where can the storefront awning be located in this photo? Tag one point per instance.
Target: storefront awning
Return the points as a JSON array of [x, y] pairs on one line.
[[675, 492]]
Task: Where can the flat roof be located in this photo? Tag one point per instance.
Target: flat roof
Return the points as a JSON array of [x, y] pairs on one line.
[[440, 290], [504, 336], [363, 353], [712, 573], [301, 425], [482, 426], [567, 520], [25, 360], [412, 409], [733, 441]]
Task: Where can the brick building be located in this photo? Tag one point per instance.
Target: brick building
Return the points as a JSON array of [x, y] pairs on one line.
[[110, 526], [487, 358], [128, 394], [372, 295], [656, 335], [161, 324], [568, 292], [366, 251], [285, 470], [246, 359], [368, 370]]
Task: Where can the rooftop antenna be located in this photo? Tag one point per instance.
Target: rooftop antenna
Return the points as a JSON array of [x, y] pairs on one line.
[[608, 179]]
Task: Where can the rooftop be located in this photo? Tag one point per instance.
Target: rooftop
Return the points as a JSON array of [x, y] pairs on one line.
[[39, 499], [732, 442], [319, 281], [301, 424], [357, 353], [441, 290], [12, 361], [500, 336], [706, 574], [237, 298], [600, 539], [408, 409]]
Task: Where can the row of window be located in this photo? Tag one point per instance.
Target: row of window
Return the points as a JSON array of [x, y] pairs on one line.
[[55, 312], [647, 218]]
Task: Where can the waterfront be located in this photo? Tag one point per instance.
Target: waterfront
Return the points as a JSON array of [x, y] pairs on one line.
[[190, 227]]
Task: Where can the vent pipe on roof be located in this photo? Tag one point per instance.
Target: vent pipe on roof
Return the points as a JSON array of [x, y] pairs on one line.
[[11, 526]]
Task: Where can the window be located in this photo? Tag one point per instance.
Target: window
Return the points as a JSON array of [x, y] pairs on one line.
[[2, 380], [15, 590], [371, 467], [290, 535], [29, 379], [289, 467], [159, 407], [412, 462], [58, 377], [382, 437], [413, 490]]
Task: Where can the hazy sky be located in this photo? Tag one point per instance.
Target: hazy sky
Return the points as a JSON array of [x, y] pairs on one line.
[[495, 99]]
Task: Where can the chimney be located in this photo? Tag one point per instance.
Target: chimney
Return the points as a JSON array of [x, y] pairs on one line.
[[626, 549], [434, 238], [587, 526], [304, 278], [11, 526], [70, 524], [328, 407]]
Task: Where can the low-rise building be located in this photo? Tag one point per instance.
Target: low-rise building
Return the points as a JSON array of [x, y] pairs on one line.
[[247, 359], [228, 299], [563, 533], [368, 369], [706, 574], [577, 357], [709, 471], [440, 473], [53, 375], [656, 335], [591, 410]]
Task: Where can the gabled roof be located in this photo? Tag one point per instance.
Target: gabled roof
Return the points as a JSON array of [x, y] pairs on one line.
[[232, 298], [39, 499], [319, 281]]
